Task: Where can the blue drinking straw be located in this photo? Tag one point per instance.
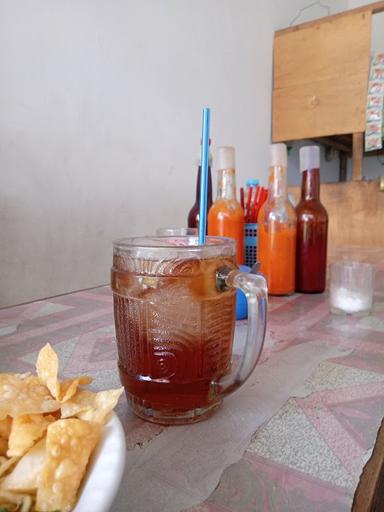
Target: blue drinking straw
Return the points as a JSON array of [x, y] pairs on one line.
[[204, 176]]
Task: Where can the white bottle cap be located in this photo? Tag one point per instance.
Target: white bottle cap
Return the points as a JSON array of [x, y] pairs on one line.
[[278, 155], [225, 157], [309, 158]]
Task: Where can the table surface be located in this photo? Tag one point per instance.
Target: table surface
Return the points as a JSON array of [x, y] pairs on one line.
[[306, 456]]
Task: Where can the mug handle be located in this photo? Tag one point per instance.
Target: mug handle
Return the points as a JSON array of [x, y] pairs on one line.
[[255, 289]]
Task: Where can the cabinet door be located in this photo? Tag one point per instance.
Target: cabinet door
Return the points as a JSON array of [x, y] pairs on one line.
[[321, 76]]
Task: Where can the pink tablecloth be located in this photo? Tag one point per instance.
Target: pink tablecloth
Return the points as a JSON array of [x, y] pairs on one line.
[[307, 457]]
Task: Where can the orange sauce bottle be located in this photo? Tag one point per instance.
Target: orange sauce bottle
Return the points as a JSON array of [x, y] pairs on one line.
[[277, 228], [226, 216]]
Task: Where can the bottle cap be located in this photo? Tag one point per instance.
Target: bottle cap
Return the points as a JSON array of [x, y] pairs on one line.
[[226, 157], [278, 155], [252, 182], [309, 158]]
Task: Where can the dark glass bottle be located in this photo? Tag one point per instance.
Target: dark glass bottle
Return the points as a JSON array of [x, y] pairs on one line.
[[193, 216], [312, 226]]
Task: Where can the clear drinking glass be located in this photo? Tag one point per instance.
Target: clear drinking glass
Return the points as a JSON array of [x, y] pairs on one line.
[[351, 287], [176, 231], [174, 305]]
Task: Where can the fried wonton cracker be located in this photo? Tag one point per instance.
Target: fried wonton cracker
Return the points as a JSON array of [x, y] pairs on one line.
[[69, 387], [3, 446], [24, 394], [26, 429], [7, 464], [90, 406], [47, 366], [47, 454], [20, 501], [70, 443], [25, 473], [5, 427]]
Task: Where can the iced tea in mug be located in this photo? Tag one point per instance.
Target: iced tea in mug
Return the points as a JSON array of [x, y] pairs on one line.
[[174, 306]]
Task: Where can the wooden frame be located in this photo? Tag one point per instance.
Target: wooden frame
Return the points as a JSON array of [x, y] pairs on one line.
[[321, 73], [369, 495]]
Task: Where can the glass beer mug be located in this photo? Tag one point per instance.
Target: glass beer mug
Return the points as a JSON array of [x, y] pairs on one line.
[[174, 307]]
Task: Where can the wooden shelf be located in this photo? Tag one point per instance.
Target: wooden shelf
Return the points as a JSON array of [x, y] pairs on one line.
[[344, 144]]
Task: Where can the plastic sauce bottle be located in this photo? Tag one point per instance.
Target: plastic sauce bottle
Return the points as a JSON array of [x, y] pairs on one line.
[[277, 228], [312, 226], [194, 213], [226, 216]]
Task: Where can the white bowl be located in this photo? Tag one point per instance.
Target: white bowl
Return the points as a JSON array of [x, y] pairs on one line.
[[104, 471]]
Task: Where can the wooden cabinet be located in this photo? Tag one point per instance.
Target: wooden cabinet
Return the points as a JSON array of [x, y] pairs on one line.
[[320, 83], [321, 77], [320, 80]]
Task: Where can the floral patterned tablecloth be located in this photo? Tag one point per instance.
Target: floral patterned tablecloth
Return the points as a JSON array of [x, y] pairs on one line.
[[306, 457]]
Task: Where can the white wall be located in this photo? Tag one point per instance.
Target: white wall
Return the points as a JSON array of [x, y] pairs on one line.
[[100, 122]]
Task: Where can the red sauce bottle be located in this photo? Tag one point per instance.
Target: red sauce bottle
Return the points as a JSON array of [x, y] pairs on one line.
[[312, 226]]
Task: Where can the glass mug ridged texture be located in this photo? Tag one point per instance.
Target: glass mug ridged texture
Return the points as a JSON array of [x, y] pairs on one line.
[[174, 324]]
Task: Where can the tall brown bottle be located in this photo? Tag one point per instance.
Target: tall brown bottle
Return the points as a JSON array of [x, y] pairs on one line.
[[194, 213], [312, 226]]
